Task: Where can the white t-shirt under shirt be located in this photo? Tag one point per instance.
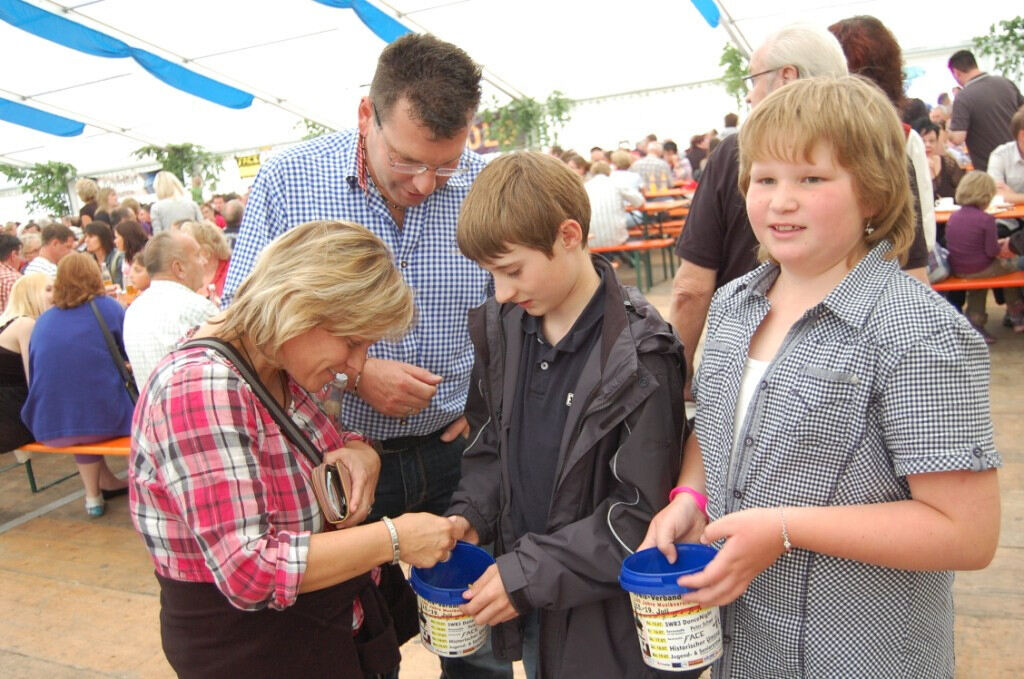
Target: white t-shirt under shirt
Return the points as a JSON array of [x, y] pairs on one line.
[[42, 265], [753, 372]]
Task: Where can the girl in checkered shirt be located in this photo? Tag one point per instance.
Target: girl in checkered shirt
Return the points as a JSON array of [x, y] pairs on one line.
[[843, 432]]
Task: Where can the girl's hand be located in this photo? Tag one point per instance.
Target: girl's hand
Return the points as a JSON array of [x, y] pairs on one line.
[[753, 541], [424, 539], [680, 521], [363, 465]]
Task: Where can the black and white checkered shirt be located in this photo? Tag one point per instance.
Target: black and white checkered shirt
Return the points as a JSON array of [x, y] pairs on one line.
[[881, 380]]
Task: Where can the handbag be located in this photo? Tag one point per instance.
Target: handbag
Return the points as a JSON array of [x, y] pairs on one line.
[[938, 264], [120, 362], [330, 480]]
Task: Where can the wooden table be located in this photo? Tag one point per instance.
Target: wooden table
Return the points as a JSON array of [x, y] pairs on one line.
[[677, 192], [1015, 212]]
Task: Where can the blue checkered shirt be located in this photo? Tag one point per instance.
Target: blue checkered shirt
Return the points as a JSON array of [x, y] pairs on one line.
[[881, 380], [317, 180]]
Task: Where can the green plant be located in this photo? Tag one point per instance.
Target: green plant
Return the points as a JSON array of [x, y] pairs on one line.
[[46, 185], [527, 123], [185, 161], [735, 71], [1005, 44], [313, 129]]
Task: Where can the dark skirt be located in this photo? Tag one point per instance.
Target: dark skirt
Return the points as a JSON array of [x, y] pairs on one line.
[[205, 636]]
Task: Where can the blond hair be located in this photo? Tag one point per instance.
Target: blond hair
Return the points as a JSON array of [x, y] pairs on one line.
[[168, 186], [101, 200], [335, 275], [27, 298], [976, 188], [855, 119], [622, 160], [520, 199], [209, 236], [87, 189]]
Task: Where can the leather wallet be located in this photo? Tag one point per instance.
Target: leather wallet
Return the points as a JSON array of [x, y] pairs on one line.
[[331, 486]]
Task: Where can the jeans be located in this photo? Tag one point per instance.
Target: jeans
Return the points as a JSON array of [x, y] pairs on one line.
[[420, 475]]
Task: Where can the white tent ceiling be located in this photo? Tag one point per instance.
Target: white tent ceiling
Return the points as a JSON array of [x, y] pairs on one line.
[[303, 59]]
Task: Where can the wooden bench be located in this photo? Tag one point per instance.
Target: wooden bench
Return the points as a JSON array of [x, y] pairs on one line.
[[1009, 280], [119, 446], [639, 252]]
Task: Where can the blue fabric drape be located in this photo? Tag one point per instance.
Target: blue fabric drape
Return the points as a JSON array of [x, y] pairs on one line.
[[62, 31], [709, 10], [26, 116], [384, 26]]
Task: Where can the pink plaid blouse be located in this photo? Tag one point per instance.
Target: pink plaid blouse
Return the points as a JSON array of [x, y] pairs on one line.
[[218, 492]]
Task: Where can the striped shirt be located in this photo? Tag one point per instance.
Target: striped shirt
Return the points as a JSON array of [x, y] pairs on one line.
[[319, 180], [881, 380], [217, 491]]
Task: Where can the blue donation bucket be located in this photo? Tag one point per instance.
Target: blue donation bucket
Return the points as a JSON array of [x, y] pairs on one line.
[[444, 629], [674, 635]]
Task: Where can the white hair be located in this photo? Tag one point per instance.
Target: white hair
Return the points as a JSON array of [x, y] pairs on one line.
[[813, 50]]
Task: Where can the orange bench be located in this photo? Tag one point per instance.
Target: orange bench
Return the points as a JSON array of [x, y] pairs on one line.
[[119, 446], [1009, 280], [639, 252]]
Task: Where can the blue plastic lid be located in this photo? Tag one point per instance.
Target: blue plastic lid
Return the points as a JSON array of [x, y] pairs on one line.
[[446, 581], [649, 572]]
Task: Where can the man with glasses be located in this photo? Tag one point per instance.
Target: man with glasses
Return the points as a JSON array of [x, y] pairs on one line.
[[402, 173], [718, 244]]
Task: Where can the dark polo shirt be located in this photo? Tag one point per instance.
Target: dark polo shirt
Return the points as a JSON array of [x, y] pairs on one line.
[[983, 109], [546, 382]]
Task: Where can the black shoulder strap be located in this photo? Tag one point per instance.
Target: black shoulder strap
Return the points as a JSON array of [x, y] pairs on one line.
[[287, 424], [115, 351]]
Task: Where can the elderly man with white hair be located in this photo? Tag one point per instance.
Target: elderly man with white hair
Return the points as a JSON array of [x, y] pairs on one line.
[[718, 243], [169, 307], [653, 170]]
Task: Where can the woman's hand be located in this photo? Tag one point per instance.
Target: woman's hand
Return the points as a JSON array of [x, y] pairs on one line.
[[424, 539], [753, 541], [680, 521], [363, 465]]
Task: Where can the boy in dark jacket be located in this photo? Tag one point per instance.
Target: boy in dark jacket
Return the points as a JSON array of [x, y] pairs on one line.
[[576, 415]]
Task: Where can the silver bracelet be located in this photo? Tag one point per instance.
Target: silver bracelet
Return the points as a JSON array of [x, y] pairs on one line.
[[395, 550], [785, 533]]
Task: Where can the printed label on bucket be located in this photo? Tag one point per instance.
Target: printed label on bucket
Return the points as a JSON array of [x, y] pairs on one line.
[[675, 635], [447, 631]]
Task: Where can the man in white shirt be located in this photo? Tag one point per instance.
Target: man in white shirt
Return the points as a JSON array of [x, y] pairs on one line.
[[58, 241], [1006, 163], [608, 217], [162, 314]]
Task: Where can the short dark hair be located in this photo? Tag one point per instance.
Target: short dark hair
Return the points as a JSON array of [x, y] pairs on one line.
[[670, 147], [8, 244], [101, 230], [731, 120], [121, 214], [440, 81], [963, 60], [56, 232], [922, 126]]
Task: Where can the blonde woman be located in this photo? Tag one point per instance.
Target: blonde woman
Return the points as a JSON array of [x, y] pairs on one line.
[[87, 191], [252, 580], [30, 297], [172, 205], [215, 249]]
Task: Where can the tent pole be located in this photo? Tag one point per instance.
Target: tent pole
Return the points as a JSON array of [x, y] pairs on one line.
[[735, 34]]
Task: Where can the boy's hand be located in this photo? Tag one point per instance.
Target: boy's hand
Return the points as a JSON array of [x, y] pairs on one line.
[[488, 601], [464, 530]]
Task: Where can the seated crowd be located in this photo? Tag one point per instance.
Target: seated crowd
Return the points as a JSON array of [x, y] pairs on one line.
[[500, 386]]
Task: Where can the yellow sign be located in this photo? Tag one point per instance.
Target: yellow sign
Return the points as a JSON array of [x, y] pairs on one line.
[[248, 166]]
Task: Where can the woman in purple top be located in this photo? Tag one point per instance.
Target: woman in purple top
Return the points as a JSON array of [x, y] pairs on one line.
[[974, 250]]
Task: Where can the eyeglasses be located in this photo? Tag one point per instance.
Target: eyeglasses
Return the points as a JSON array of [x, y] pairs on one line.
[[412, 168], [750, 78]]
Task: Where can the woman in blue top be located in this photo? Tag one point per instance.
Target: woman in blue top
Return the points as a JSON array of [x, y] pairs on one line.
[[75, 392]]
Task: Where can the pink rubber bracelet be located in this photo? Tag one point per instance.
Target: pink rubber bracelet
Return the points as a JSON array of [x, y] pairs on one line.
[[700, 498]]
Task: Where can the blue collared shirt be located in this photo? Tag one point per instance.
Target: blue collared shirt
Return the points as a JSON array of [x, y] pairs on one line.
[[881, 380], [317, 180]]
